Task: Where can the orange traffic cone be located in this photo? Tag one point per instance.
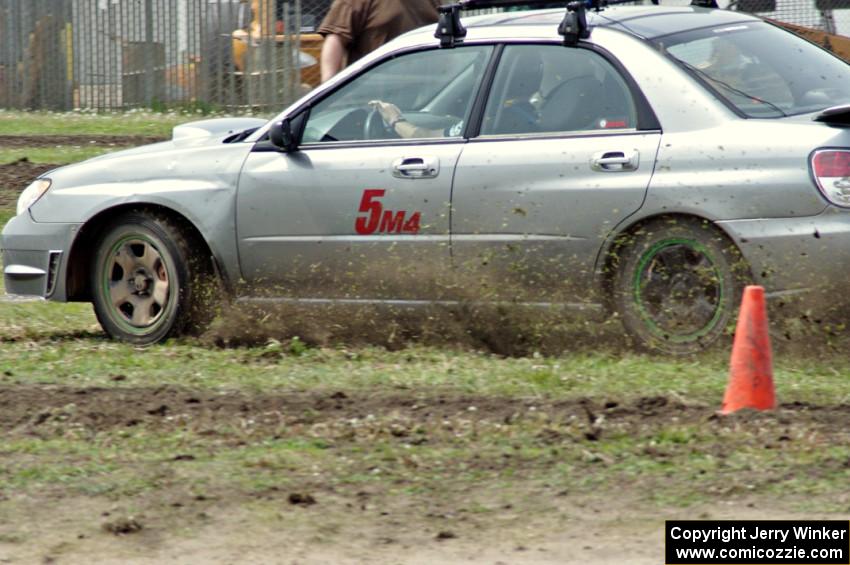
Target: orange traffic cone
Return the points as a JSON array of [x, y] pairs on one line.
[[751, 368]]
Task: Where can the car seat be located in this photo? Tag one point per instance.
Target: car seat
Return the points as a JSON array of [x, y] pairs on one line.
[[516, 114], [579, 102]]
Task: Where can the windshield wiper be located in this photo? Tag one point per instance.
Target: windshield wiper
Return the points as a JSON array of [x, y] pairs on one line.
[[729, 87], [240, 136]]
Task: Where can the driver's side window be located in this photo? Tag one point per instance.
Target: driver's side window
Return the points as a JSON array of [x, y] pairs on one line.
[[430, 91]]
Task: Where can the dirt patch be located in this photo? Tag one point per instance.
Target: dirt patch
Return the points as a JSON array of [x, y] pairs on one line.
[[507, 330], [606, 534], [123, 526], [30, 408], [503, 329], [105, 408], [14, 177], [484, 504], [30, 141]]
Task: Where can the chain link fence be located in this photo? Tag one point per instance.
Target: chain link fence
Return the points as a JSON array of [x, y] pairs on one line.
[[231, 55], [117, 54]]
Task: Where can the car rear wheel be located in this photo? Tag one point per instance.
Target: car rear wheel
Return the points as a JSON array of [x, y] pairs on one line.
[[677, 285], [149, 281]]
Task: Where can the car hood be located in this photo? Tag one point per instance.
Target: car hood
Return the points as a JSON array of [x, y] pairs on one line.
[[198, 134], [215, 128]]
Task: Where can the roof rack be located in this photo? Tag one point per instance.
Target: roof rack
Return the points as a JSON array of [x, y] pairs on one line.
[[450, 30]]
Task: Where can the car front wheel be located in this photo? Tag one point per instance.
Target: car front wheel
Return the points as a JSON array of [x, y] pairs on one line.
[[149, 282], [677, 285]]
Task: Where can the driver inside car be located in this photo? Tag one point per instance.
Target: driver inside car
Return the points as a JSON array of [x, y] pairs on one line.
[[395, 120], [517, 113]]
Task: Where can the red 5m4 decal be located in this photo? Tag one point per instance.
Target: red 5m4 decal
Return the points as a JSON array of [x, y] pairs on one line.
[[378, 220]]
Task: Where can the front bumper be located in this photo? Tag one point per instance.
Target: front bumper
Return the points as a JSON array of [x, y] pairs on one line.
[[35, 256], [789, 255]]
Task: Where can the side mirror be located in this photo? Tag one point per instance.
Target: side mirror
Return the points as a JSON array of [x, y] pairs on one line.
[[281, 136]]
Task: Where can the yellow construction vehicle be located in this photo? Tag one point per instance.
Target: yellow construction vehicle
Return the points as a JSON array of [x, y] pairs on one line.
[[267, 24]]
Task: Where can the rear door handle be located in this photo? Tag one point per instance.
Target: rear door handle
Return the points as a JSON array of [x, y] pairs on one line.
[[416, 168], [615, 161]]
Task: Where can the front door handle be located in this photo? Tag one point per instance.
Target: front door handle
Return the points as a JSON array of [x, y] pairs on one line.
[[615, 161], [416, 168]]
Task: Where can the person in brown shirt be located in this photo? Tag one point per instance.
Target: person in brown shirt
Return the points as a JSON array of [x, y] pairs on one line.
[[353, 28]]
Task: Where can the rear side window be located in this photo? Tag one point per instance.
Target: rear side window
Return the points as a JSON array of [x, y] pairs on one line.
[[763, 71], [550, 88]]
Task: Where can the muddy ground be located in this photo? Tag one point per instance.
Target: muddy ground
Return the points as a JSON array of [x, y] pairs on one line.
[[25, 409], [508, 509], [17, 141], [14, 177]]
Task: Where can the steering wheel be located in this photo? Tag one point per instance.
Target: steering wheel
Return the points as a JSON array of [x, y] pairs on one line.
[[374, 127]]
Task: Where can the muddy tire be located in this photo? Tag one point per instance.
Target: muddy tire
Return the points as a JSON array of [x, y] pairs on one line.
[[150, 281], [677, 285]]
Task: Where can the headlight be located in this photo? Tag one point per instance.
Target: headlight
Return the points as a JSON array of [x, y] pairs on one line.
[[31, 194]]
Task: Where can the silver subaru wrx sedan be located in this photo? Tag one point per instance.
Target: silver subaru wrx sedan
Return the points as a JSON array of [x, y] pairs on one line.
[[650, 169]]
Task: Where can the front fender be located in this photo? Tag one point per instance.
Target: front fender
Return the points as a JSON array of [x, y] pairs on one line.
[[201, 186]]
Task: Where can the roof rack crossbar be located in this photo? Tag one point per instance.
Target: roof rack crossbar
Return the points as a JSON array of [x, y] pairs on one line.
[[481, 4], [450, 30]]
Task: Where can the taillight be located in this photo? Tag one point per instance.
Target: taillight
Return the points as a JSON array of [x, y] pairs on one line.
[[831, 169]]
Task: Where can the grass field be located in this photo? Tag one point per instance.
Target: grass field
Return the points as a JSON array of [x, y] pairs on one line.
[[84, 123], [423, 454], [86, 126], [60, 155]]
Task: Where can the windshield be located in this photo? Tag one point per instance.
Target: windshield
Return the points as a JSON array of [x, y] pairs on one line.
[[763, 71]]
